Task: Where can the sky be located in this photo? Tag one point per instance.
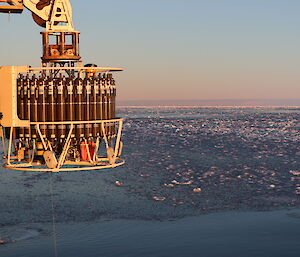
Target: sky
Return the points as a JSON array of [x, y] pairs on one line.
[[179, 50]]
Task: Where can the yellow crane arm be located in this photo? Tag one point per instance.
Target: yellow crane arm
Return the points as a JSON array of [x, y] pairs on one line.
[[55, 15]]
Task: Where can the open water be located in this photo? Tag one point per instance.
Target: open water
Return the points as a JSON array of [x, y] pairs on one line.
[[197, 182]]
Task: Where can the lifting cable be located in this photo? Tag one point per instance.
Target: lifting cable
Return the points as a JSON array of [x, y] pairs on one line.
[[54, 233]]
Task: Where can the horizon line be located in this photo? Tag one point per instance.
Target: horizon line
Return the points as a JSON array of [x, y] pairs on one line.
[[213, 106], [214, 103]]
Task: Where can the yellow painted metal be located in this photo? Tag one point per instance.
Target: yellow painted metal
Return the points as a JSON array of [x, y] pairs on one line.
[[60, 18], [43, 13], [84, 166], [50, 159], [3, 140], [57, 15], [76, 122], [8, 96]]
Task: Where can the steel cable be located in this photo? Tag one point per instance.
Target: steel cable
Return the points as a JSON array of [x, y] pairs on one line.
[[54, 233]]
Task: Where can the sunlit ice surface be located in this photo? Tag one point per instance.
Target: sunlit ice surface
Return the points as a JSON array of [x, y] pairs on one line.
[[180, 162]]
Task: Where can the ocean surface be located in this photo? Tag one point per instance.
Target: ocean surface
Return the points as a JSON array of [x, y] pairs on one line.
[[197, 182]]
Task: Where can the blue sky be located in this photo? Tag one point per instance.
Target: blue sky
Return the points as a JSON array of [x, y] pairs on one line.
[[216, 49]]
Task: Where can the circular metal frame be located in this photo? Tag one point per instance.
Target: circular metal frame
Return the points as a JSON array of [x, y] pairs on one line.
[[63, 165], [84, 166]]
